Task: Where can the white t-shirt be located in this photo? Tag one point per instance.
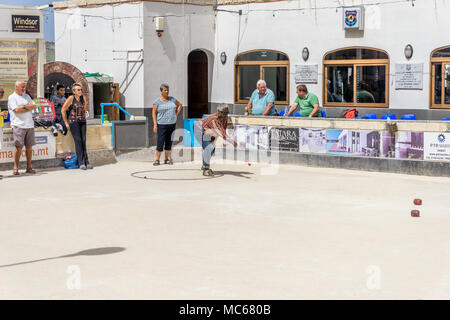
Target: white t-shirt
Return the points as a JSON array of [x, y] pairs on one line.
[[21, 120]]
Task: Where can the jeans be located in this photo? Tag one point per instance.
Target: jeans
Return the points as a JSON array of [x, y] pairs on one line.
[[207, 143]]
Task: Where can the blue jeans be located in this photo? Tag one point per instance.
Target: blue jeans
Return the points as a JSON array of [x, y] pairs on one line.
[[207, 145]]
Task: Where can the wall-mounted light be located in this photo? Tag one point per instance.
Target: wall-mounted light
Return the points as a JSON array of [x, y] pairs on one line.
[[159, 25], [408, 51], [223, 57], [305, 53]]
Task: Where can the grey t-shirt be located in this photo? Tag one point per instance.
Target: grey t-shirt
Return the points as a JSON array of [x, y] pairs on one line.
[[167, 111]]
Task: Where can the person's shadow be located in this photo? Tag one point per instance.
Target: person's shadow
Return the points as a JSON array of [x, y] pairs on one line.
[[239, 174], [89, 252]]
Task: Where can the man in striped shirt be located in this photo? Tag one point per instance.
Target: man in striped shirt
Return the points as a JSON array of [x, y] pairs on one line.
[[206, 130]]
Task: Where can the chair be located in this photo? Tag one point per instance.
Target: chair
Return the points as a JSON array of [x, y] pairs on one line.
[[282, 112], [446, 119], [369, 116], [409, 117], [323, 113], [389, 115], [297, 114]]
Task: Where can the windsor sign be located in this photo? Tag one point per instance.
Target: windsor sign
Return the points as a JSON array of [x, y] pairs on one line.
[[22, 23]]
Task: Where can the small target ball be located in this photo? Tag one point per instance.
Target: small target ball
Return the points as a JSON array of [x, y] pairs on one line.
[[249, 164], [418, 202], [415, 213]]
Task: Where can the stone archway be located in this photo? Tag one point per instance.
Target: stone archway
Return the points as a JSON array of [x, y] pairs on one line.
[[59, 67]]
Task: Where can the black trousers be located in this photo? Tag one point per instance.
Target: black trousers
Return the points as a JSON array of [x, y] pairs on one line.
[[164, 135], [78, 130]]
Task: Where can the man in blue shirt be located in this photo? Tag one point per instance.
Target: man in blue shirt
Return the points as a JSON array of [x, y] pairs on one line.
[[262, 101]]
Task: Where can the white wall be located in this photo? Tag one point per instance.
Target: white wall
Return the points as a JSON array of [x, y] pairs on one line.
[[99, 31], [187, 28], [388, 26]]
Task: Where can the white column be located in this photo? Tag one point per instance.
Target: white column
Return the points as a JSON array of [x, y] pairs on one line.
[[41, 59]]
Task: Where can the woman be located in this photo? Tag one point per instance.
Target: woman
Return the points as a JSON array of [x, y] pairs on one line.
[[206, 130], [165, 112], [74, 115]]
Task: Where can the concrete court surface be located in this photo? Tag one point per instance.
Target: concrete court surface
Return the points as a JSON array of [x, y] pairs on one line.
[[303, 233]]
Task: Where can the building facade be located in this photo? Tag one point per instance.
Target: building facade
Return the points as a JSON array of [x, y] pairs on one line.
[[380, 56]]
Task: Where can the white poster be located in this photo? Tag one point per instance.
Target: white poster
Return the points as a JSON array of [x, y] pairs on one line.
[[45, 147], [306, 74], [409, 76], [437, 146], [13, 64]]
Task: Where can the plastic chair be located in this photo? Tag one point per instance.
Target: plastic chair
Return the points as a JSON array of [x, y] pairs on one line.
[[409, 117], [446, 119], [369, 116], [282, 112], [297, 114], [389, 115], [323, 113]]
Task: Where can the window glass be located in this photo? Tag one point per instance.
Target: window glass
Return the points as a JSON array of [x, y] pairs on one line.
[[262, 56], [443, 53], [356, 54], [275, 78], [340, 84], [370, 84], [447, 84], [438, 83], [248, 76]]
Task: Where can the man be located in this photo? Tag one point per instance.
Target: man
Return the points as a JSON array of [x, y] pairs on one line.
[[3, 114], [58, 100], [308, 102], [206, 130], [20, 106], [262, 101]]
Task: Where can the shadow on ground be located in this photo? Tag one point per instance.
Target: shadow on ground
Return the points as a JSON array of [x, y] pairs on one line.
[[89, 252]]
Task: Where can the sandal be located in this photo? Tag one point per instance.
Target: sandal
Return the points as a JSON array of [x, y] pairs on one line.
[[156, 163], [208, 172], [16, 172], [168, 161], [30, 170]]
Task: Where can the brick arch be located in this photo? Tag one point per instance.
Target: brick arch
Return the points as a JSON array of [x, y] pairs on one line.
[[59, 67]]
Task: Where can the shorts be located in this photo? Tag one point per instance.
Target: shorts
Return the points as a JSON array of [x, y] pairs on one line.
[[23, 137]]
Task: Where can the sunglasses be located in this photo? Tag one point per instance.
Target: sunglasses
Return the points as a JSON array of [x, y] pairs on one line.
[[78, 89]]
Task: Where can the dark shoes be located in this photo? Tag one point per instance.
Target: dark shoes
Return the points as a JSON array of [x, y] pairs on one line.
[[156, 163], [208, 172], [168, 161]]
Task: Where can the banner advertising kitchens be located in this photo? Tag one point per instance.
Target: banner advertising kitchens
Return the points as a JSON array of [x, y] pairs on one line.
[[437, 146]]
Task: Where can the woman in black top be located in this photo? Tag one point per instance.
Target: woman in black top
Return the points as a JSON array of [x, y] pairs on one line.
[[74, 115]]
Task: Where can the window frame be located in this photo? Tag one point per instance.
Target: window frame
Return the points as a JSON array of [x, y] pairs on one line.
[[261, 64], [433, 62], [355, 63]]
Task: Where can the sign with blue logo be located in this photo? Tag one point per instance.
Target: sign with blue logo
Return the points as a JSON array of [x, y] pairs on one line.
[[353, 18], [437, 146]]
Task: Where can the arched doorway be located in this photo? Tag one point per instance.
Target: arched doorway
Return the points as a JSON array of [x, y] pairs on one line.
[[197, 84]]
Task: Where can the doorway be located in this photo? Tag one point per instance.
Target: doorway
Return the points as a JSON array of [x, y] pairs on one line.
[[197, 84]]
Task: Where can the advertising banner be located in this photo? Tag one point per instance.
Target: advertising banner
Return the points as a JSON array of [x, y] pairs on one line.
[[437, 146], [284, 139], [17, 59], [45, 147]]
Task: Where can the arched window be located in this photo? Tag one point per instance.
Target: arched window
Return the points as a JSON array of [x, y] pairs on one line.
[[440, 78], [357, 77], [272, 66]]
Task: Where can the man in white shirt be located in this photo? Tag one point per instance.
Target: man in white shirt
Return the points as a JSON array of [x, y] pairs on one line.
[[20, 106]]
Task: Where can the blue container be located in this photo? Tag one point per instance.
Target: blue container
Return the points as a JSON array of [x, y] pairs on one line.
[[389, 115], [369, 116], [188, 133], [409, 117]]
